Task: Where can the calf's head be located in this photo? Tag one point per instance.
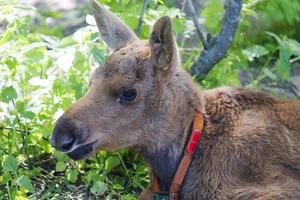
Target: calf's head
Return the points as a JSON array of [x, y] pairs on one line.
[[126, 94]]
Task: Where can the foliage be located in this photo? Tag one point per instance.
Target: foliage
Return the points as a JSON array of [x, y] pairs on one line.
[[262, 46], [42, 72]]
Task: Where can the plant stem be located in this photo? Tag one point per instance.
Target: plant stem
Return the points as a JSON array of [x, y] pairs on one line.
[[8, 191], [126, 170]]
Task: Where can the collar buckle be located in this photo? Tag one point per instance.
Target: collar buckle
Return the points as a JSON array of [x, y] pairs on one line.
[[172, 195], [161, 196]]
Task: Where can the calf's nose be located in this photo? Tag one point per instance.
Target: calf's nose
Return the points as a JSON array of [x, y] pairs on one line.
[[65, 143], [67, 134]]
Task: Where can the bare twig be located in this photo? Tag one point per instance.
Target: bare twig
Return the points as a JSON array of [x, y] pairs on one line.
[[218, 46], [183, 5], [141, 18], [295, 59], [197, 24]]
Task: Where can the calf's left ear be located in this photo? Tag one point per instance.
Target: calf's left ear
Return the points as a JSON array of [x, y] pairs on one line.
[[162, 44], [114, 32]]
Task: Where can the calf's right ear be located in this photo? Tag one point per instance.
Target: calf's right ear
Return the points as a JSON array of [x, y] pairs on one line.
[[163, 45], [114, 32]]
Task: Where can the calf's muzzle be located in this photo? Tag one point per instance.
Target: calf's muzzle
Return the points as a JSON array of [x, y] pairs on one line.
[[69, 134]]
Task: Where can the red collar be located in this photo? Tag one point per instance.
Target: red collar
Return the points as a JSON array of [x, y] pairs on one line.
[[184, 163]]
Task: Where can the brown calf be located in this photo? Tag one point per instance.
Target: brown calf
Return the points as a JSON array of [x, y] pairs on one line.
[[141, 98]]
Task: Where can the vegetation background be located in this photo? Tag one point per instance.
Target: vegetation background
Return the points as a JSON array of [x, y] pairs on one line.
[[49, 48]]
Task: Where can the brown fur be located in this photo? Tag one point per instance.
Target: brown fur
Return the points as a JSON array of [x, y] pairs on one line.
[[251, 142]]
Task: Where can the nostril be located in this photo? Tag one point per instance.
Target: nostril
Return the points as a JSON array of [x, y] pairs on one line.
[[67, 143], [68, 133]]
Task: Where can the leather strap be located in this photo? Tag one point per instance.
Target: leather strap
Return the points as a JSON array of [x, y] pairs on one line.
[[156, 186], [186, 159]]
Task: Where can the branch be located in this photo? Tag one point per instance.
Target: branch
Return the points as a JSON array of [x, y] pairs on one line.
[[197, 24], [141, 18], [218, 46], [295, 59]]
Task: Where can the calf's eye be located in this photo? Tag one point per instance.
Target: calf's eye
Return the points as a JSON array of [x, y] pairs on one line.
[[127, 96]]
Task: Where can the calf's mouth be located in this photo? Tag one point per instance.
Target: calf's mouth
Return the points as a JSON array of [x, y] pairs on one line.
[[83, 151]]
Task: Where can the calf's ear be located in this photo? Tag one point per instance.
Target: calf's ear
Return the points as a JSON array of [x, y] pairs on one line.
[[114, 32], [162, 44]]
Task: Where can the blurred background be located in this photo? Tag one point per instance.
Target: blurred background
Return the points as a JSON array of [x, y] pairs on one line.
[[49, 48]]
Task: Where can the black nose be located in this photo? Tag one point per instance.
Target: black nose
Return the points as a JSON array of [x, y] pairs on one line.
[[67, 133], [66, 142]]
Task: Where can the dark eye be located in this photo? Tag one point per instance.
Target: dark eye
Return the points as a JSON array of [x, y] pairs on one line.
[[128, 96]]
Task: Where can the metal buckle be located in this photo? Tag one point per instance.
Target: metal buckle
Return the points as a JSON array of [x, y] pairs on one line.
[[161, 196], [172, 195]]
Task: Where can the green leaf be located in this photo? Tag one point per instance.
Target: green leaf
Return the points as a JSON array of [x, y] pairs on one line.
[[22, 107], [128, 197], [60, 166], [93, 176], [5, 37], [10, 164], [72, 175], [213, 21], [283, 66], [25, 183], [68, 41], [112, 162], [98, 55], [293, 46], [124, 2], [118, 186], [255, 51], [11, 62], [99, 188], [79, 60], [8, 94], [35, 52], [60, 156], [5, 177]]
